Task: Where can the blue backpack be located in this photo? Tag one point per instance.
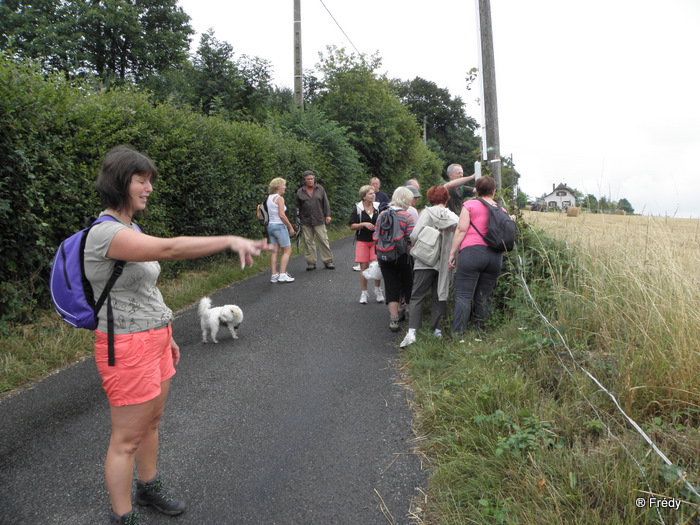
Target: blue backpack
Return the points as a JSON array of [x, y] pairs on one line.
[[71, 292]]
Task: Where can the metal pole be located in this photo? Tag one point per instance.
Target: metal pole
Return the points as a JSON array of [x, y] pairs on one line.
[[298, 80], [493, 153]]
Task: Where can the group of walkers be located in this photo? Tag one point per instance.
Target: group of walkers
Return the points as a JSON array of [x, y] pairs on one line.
[[464, 259], [138, 380], [461, 254]]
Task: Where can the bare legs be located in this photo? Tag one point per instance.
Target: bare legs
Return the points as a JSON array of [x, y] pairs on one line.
[[286, 254], [363, 279], [134, 439]]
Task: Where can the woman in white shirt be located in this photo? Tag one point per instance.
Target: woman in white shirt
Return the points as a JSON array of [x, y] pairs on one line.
[[279, 230]]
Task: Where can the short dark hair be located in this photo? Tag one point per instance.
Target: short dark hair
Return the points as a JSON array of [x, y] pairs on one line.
[[438, 195], [485, 185], [116, 171], [309, 172]]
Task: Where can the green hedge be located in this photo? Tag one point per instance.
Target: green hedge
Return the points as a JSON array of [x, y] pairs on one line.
[[212, 172]]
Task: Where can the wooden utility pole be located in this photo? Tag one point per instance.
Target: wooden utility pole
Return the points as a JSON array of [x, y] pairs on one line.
[[298, 80], [488, 89]]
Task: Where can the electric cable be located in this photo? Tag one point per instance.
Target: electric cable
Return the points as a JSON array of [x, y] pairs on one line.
[[341, 29], [551, 328]]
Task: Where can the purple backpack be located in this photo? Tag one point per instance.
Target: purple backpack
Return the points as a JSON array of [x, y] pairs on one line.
[[71, 292]]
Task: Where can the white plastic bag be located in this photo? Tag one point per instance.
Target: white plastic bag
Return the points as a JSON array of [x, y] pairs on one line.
[[373, 273]]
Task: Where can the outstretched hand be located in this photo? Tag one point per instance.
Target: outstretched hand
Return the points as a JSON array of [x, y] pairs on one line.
[[248, 248]]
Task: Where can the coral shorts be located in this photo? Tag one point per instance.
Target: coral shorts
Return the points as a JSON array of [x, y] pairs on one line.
[[364, 252], [142, 361]]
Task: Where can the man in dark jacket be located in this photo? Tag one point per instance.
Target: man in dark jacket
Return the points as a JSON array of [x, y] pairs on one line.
[[314, 212], [456, 187]]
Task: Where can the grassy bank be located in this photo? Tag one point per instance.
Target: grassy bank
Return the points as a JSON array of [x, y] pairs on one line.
[[514, 426]]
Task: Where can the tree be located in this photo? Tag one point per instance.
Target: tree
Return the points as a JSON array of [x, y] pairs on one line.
[[589, 202], [380, 127], [625, 205], [44, 30], [124, 40], [444, 120], [345, 173], [216, 80], [509, 177]]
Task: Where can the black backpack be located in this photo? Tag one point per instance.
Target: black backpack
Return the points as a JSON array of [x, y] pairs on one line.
[[500, 229], [390, 241]]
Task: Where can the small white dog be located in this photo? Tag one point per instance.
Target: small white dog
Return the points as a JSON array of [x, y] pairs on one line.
[[228, 315]]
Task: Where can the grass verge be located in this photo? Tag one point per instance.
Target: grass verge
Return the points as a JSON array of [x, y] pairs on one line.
[[515, 429], [510, 438]]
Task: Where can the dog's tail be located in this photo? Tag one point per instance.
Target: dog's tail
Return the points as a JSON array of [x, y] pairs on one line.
[[204, 305]]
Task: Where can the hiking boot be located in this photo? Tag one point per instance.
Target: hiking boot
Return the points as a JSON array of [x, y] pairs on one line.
[[274, 278], [310, 267], [285, 278], [130, 518], [378, 295], [402, 313], [363, 297], [153, 493], [408, 340], [394, 323], [330, 266]]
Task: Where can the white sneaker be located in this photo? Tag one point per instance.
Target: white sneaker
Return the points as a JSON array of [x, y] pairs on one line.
[[285, 278], [438, 333], [379, 295], [356, 267], [363, 297], [275, 277], [408, 340]]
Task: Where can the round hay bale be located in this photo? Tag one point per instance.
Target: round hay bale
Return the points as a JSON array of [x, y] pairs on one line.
[[621, 212], [572, 211], [528, 208]]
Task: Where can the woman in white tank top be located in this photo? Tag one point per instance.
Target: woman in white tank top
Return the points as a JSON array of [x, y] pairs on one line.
[[279, 230]]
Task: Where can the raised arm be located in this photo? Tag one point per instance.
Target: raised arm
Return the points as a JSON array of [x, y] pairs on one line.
[[461, 181], [132, 246]]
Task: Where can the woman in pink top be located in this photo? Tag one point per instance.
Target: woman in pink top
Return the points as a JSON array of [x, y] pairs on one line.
[[478, 266]]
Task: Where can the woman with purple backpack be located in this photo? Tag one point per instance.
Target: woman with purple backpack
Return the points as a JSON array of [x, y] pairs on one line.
[[145, 353]]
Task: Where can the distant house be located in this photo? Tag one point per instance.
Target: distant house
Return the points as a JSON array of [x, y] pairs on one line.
[[561, 197]]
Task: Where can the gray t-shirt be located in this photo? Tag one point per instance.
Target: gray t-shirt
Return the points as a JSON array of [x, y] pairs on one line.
[[137, 304]]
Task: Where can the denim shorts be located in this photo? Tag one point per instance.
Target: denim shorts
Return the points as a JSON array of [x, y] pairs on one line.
[[279, 234]]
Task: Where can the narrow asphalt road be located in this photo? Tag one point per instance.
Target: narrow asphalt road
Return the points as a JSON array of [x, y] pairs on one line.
[[302, 420]]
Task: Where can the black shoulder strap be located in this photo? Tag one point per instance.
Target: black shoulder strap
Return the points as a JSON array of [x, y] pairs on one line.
[[116, 272], [473, 225]]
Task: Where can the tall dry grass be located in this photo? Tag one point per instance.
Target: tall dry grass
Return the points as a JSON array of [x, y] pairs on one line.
[[637, 299]]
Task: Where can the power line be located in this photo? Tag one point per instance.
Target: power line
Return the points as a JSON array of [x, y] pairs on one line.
[[341, 29]]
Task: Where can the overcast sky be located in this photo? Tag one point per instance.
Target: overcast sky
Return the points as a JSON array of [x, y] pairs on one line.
[[602, 95]]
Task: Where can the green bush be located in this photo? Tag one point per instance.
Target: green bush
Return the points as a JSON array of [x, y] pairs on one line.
[[53, 136]]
